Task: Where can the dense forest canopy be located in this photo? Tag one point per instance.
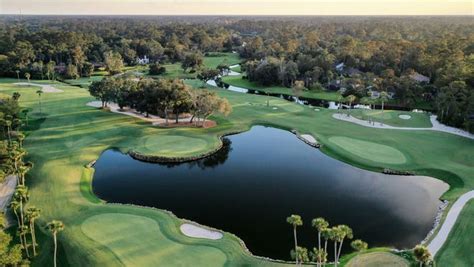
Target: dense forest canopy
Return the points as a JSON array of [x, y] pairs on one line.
[[414, 58]]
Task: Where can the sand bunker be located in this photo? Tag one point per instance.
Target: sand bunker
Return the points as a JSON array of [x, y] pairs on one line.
[[404, 117], [309, 138], [46, 88], [192, 230]]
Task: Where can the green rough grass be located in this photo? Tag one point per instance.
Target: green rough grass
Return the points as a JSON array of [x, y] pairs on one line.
[[391, 117], [378, 259], [73, 134], [175, 71], [244, 83], [460, 237], [145, 244], [218, 58], [369, 150]]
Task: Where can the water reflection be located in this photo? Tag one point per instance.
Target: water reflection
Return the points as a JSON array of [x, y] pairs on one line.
[[260, 177]]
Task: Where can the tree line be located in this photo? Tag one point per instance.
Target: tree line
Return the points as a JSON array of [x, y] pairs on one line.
[[12, 163], [379, 53], [163, 97]]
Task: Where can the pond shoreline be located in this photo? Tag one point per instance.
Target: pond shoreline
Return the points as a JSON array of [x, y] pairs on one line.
[[184, 159]]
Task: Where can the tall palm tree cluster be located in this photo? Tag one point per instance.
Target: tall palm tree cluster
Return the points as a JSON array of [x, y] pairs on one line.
[[336, 234], [12, 162]]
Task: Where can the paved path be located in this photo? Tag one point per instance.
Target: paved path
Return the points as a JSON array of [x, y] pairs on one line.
[[437, 126], [46, 88], [7, 188], [437, 242]]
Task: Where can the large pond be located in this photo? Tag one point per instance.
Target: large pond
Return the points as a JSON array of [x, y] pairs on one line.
[[260, 177]]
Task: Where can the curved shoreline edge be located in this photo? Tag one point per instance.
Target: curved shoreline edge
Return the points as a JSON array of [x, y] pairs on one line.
[[162, 159], [433, 234], [451, 218]]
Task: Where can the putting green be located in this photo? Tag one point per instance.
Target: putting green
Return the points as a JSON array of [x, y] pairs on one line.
[[377, 259], [166, 144], [368, 150], [138, 241]]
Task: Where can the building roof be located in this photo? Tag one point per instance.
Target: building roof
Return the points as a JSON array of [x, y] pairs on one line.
[[419, 77]]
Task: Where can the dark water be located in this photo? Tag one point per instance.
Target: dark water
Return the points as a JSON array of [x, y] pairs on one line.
[[264, 175]]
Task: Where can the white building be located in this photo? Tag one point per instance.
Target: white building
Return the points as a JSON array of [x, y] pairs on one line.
[[143, 61]]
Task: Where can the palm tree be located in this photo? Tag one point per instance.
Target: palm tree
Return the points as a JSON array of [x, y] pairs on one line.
[[296, 221], [344, 232], [335, 236], [22, 171], [423, 256], [383, 98], [15, 205], [20, 137], [320, 224], [3, 220], [22, 232], [55, 227], [350, 99], [39, 92], [8, 123], [15, 154], [319, 256], [359, 246], [28, 76], [301, 254], [21, 195], [327, 235], [33, 213]]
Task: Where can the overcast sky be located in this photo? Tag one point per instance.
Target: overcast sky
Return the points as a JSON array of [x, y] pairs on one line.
[[239, 7]]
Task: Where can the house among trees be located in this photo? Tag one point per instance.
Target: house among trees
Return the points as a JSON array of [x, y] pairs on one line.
[[349, 71], [143, 61], [419, 77], [376, 94]]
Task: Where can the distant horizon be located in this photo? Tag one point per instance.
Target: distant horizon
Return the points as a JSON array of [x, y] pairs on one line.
[[227, 15], [239, 8]]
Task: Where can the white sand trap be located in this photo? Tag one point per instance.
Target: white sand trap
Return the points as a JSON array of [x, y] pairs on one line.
[[309, 138], [316, 109], [192, 230], [404, 117], [275, 108], [46, 88]]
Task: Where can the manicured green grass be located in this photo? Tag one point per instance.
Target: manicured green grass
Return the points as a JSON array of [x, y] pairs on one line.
[[84, 81], [244, 83], [392, 117], [378, 259], [73, 134], [214, 59], [144, 243], [458, 250], [237, 68], [174, 70], [369, 150]]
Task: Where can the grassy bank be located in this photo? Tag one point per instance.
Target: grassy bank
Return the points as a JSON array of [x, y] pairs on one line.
[[394, 117], [244, 83]]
